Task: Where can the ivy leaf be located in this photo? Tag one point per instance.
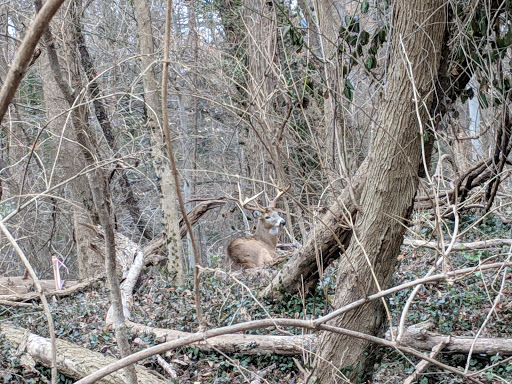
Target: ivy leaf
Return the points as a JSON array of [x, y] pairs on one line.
[[348, 91], [370, 62], [382, 36], [352, 40], [364, 37], [349, 94], [506, 84], [365, 7], [483, 100], [359, 50], [506, 40], [352, 24]]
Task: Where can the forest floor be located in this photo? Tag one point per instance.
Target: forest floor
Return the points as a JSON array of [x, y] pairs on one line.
[[457, 308]]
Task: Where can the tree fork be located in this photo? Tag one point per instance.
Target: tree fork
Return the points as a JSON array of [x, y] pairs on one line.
[[392, 177]]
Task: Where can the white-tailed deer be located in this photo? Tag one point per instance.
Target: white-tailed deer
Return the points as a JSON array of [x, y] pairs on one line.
[[260, 248]]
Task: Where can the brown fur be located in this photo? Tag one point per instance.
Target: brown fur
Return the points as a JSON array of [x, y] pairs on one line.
[[260, 248]]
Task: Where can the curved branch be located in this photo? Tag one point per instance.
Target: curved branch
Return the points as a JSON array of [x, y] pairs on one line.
[[24, 54]]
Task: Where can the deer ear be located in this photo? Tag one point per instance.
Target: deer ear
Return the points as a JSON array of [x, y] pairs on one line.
[[256, 214]]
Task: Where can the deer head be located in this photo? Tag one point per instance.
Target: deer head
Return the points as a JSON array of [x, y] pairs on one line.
[[259, 249]]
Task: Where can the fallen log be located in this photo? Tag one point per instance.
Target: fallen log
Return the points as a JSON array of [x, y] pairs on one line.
[[72, 360], [427, 341], [237, 343], [193, 216], [483, 244], [21, 290], [413, 337]]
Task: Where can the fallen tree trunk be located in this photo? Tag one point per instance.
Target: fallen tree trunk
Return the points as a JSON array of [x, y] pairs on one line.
[[483, 244], [193, 216], [421, 339], [20, 288], [238, 343], [298, 344], [329, 238], [72, 360]]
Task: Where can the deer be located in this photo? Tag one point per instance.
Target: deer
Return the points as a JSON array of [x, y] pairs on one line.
[[260, 248]]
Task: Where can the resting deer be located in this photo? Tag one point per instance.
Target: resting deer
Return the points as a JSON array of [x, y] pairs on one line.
[[260, 248]]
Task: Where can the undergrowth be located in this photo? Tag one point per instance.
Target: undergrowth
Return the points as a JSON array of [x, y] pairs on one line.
[[457, 307]]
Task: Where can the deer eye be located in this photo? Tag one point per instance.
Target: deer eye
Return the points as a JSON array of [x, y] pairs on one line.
[[267, 217]]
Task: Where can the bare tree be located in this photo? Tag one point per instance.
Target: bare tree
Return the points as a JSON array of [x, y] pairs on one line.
[[98, 182], [152, 87]]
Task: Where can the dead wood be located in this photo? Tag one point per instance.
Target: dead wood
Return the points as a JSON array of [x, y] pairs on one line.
[[193, 216], [423, 364], [237, 343], [72, 360], [483, 244], [14, 303], [421, 339], [328, 239], [18, 289], [197, 212]]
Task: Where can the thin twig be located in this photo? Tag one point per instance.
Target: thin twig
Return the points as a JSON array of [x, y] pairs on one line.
[[416, 289], [493, 308]]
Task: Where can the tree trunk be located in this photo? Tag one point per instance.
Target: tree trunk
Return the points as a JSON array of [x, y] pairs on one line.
[[162, 167], [387, 197], [69, 162], [72, 360], [131, 201], [98, 183]]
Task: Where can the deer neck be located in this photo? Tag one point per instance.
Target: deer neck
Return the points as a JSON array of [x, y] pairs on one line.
[[268, 236]]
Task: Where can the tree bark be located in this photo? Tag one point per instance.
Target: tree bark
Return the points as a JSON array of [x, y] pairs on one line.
[[387, 197], [97, 180], [23, 56], [130, 200], [69, 161], [426, 341], [330, 237], [72, 360], [238, 343], [168, 196]]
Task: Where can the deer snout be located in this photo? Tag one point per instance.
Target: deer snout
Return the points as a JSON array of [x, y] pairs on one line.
[[282, 223]]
